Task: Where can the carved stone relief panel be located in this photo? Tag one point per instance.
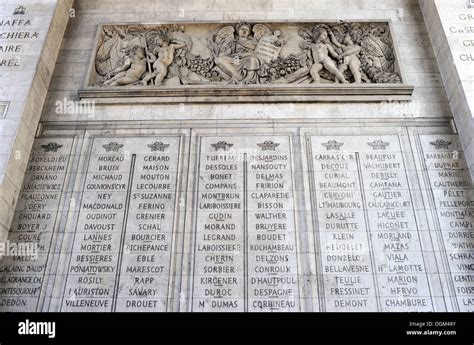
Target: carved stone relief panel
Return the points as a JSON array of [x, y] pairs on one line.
[[163, 56]]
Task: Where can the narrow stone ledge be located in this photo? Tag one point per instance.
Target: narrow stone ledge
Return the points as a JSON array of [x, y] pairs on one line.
[[249, 94]]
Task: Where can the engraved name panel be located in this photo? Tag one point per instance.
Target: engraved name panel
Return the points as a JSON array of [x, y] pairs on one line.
[[245, 256], [29, 246], [454, 204], [371, 258], [121, 253]]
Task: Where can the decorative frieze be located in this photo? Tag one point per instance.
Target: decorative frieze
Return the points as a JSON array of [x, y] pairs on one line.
[[146, 60]]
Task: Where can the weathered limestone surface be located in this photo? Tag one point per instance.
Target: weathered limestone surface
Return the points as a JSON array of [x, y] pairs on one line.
[[31, 34], [450, 28], [294, 218], [417, 58], [138, 205]]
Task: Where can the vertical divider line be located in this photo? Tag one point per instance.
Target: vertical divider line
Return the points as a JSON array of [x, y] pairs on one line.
[[194, 230], [245, 249], [122, 236], [316, 230], [174, 230], [297, 238], [369, 233], [416, 221], [69, 191], [86, 172], [426, 180], [55, 232]]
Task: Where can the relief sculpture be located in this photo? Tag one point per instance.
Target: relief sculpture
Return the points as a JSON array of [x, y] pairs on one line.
[[245, 54]]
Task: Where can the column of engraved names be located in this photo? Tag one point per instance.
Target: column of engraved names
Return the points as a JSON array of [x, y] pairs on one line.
[[347, 271], [271, 246], [400, 269], [454, 202], [22, 271], [146, 254], [92, 270], [218, 275]]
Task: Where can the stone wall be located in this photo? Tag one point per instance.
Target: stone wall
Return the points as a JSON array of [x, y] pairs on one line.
[[378, 185], [450, 29], [31, 38], [417, 58]]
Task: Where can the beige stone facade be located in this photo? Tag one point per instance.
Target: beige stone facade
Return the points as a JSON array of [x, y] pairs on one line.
[[357, 197]]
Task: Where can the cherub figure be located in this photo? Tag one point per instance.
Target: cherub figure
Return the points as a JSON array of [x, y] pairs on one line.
[[161, 57], [320, 49], [132, 69], [350, 56]]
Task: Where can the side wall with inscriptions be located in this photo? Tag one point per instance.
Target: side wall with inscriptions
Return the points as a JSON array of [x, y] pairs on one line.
[[30, 37], [451, 30]]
